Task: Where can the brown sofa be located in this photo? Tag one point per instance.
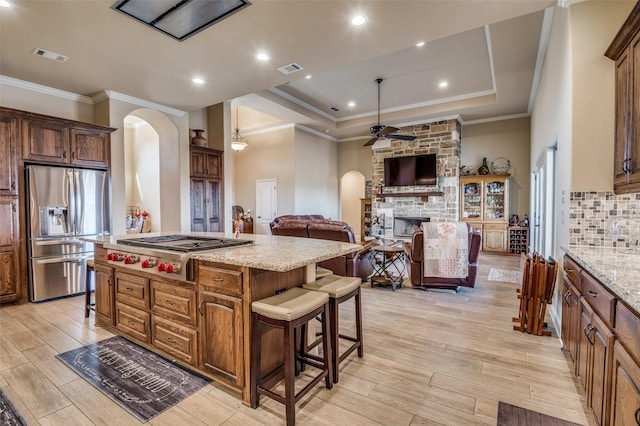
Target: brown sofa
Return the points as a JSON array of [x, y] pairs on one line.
[[413, 255], [355, 264]]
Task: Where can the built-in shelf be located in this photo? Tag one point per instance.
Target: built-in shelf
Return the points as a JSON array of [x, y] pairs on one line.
[[424, 195]]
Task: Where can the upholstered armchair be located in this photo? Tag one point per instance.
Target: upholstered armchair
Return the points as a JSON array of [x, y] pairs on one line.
[[415, 263]]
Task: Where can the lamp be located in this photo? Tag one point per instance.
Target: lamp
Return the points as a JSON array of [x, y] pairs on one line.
[[238, 143]]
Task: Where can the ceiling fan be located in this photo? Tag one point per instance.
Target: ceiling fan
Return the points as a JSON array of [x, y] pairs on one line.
[[381, 131]]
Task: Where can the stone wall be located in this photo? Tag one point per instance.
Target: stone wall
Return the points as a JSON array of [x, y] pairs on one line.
[[442, 138]]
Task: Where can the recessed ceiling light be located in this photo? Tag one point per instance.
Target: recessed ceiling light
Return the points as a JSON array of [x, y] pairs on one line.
[[4, 3], [197, 80], [420, 44], [307, 76], [351, 104], [358, 20], [443, 84], [262, 56]]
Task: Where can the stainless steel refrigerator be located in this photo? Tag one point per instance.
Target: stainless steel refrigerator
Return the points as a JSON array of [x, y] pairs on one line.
[[64, 204]]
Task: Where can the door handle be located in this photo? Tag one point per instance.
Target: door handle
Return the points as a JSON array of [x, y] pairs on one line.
[[200, 306], [170, 340], [592, 293], [637, 415]]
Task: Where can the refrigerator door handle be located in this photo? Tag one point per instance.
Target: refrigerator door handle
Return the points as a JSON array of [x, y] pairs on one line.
[[50, 260], [58, 242], [73, 207]]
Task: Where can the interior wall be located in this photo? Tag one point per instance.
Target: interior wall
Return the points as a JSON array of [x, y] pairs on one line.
[[63, 105], [593, 25], [508, 139], [269, 155], [129, 138], [316, 176], [145, 173], [352, 155], [351, 192]]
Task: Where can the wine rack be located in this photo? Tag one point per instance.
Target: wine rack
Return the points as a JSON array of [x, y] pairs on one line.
[[518, 240]]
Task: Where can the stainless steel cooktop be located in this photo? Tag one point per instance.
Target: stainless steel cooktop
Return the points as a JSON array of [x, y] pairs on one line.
[[182, 243]]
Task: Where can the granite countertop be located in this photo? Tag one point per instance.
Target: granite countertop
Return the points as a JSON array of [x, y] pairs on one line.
[[272, 253], [618, 269]]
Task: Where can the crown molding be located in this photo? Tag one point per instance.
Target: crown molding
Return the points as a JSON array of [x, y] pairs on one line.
[[316, 132], [39, 88], [499, 118], [117, 96]]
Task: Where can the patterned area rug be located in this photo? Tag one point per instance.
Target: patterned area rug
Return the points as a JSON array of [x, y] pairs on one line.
[[8, 414], [510, 415], [143, 383], [504, 276]]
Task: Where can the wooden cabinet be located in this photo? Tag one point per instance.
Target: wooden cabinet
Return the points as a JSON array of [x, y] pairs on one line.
[[206, 188], [205, 205], [625, 388], [206, 162], [8, 155], [484, 202], [10, 272], [625, 51], [570, 318], [105, 299], [221, 336], [50, 140], [365, 218]]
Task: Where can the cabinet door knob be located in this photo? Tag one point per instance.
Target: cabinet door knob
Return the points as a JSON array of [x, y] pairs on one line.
[[569, 269], [200, 306], [64, 154], [637, 415], [13, 186], [592, 293], [170, 340], [73, 155]]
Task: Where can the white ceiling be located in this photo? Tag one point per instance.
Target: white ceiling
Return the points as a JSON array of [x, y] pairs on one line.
[[486, 50]]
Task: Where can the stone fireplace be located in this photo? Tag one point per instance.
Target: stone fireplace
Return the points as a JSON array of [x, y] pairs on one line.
[[442, 138]]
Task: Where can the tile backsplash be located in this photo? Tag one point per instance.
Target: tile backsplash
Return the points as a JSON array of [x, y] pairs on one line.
[[602, 218]]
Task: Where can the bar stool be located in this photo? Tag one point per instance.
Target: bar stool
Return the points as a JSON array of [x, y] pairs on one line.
[[289, 310], [88, 306], [340, 289]]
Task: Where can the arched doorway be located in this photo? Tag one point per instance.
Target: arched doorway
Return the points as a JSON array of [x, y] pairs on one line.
[[352, 186]]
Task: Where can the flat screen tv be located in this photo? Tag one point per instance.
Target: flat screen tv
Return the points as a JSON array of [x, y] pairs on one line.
[[411, 170]]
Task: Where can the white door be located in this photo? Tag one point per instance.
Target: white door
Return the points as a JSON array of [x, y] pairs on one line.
[[543, 206], [266, 205]]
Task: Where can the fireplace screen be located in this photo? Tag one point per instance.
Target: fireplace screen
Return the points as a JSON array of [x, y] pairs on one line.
[[406, 226]]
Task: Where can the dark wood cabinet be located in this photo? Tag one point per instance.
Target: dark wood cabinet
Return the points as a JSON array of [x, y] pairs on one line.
[[8, 154], [206, 188], [625, 51], [206, 162], [570, 318], [625, 388], [56, 141], [10, 272], [105, 299]]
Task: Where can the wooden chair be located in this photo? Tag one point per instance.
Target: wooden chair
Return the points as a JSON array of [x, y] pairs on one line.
[[536, 292]]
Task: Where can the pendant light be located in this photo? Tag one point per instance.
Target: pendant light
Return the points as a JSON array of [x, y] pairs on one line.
[[238, 143]]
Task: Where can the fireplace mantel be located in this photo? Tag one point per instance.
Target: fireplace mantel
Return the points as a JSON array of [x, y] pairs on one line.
[[424, 195]]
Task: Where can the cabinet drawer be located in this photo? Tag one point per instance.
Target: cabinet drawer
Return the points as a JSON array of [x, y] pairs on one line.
[[601, 300], [571, 270], [172, 301], [133, 322], [132, 290], [178, 340], [223, 280], [627, 326]]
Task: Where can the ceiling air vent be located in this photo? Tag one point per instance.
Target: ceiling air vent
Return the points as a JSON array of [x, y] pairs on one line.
[[289, 69], [50, 55]]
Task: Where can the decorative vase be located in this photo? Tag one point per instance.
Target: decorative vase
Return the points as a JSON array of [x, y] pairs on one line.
[[198, 139], [484, 169]]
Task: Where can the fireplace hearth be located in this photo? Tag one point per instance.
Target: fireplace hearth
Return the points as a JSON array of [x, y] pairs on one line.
[[406, 226]]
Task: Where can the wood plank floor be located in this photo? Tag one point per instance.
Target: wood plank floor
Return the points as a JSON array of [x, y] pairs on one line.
[[431, 358]]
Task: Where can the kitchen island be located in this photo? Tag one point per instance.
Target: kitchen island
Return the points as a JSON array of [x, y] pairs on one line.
[[199, 313]]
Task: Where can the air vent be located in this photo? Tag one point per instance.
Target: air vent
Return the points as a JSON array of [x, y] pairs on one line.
[[335, 109], [291, 68], [50, 55]]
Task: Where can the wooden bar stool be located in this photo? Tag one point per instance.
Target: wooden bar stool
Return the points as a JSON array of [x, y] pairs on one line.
[[88, 306], [340, 289], [289, 310]]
